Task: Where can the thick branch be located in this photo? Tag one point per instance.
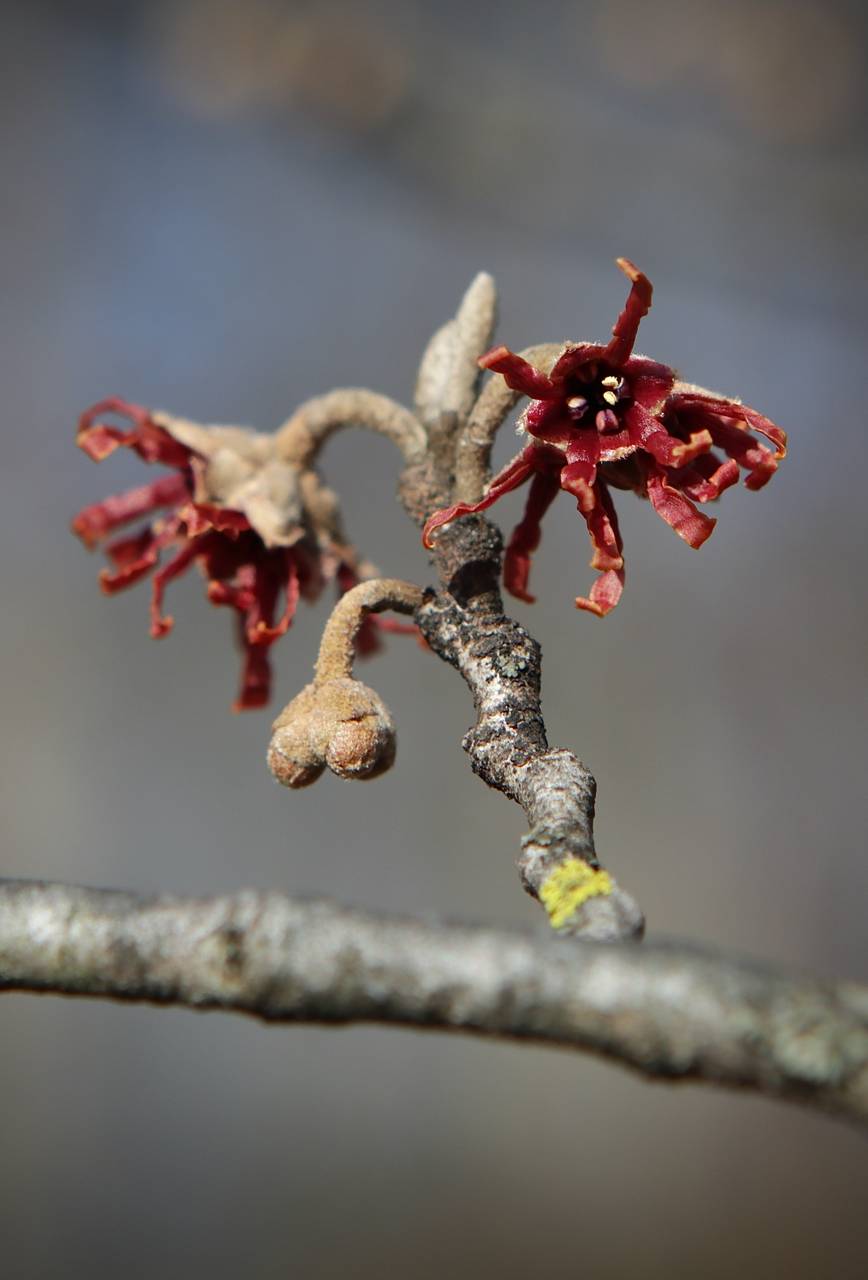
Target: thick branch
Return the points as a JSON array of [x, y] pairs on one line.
[[669, 1011]]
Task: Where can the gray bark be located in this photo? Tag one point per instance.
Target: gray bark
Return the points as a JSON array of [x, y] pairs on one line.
[[671, 1011]]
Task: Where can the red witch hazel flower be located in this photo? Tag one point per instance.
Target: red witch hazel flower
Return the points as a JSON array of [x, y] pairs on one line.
[[258, 527], [607, 418]]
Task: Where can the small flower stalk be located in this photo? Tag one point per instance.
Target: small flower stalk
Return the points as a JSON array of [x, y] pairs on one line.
[[336, 722], [603, 419]]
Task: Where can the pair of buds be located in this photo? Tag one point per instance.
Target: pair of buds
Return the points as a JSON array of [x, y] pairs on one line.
[[340, 724], [337, 722]]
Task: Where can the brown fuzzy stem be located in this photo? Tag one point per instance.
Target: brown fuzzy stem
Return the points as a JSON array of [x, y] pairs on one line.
[[337, 647], [449, 374], [300, 439]]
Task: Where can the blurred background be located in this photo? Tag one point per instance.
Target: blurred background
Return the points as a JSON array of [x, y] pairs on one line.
[[222, 208]]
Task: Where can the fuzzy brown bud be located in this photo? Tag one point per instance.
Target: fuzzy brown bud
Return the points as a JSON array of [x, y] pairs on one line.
[[337, 723]]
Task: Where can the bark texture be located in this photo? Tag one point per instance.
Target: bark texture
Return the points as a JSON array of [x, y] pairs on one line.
[[670, 1011]]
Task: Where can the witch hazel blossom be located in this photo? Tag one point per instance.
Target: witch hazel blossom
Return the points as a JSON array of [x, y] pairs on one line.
[[605, 418], [250, 511], [263, 531]]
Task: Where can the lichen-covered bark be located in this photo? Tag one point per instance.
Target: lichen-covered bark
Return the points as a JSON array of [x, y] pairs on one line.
[[671, 1012], [507, 746]]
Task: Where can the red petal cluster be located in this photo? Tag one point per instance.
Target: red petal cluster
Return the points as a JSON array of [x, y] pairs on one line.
[[606, 418], [241, 571]]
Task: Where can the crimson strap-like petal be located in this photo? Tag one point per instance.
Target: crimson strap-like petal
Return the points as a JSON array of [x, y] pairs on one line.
[[650, 381], [676, 509], [605, 593], [93, 523], [130, 548], [255, 688], [161, 625], [259, 629], [637, 306], [586, 446], [256, 627], [578, 478], [527, 534], [595, 505], [511, 477], [706, 478], [759, 462], [742, 415], [230, 594], [602, 521], [151, 442], [648, 433], [730, 424], [519, 374], [247, 578], [135, 557]]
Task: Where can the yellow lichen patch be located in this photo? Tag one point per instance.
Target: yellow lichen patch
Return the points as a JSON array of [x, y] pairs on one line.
[[568, 886]]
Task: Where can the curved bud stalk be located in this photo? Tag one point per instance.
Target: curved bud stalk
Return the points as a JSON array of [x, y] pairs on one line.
[[337, 722], [302, 436]]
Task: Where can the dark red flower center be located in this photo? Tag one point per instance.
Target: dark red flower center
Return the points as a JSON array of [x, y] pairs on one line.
[[595, 396]]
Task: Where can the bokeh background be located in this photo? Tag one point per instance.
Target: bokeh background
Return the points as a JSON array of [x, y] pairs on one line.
[[221, 208]]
